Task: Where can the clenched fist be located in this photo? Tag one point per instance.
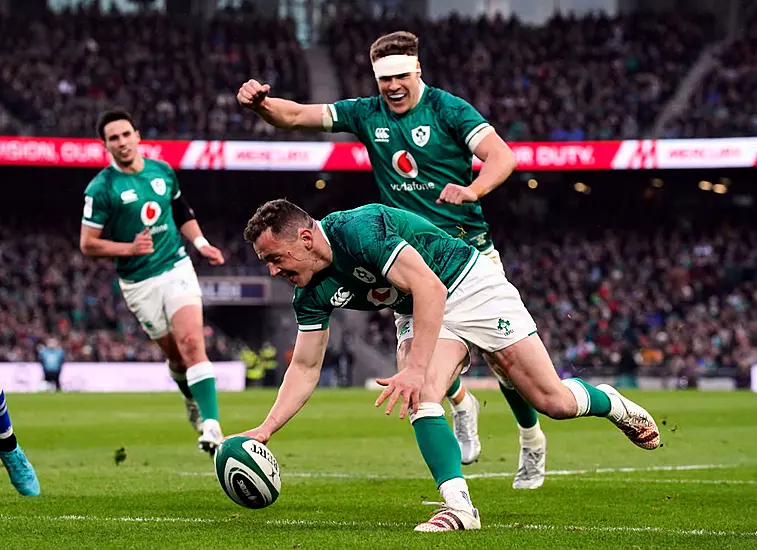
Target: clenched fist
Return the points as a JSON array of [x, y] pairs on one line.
[[252, 94], [142, 243]]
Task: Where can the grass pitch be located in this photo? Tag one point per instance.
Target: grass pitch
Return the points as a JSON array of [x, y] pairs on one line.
[[352, 478]]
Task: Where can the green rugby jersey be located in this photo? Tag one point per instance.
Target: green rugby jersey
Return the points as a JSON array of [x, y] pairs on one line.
[[125, 204], [416, 154], [365, 243]]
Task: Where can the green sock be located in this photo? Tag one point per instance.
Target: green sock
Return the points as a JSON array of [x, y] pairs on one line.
[[591, 401], [525, 414], [202, 383], [454, 388], [438, 446], [181, 381]]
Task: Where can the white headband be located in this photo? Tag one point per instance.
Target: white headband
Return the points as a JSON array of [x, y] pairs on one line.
[[392, 65]]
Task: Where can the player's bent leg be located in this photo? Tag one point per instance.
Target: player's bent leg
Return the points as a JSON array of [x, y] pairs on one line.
[[528, 365], [22, 474], [532, 457], [437, 443], [178, 371], [186, 328]]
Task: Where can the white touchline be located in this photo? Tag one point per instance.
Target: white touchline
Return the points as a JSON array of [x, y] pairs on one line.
[[368, 524], [484, 475]]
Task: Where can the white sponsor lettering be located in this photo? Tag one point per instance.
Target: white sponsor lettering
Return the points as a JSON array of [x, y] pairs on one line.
[[412, 186], [129, 196]]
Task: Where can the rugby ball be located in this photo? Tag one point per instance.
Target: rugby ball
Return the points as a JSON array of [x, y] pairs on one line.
[[248, 472]]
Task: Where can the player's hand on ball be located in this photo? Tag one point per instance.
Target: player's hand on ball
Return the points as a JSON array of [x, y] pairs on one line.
[[456, 194], [213, 255], [252, 94], [406, 384], [260, 434], [142, 243]]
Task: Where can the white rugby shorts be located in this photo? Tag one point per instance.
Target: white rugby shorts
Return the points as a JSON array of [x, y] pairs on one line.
[[485, 310], [154, 301]]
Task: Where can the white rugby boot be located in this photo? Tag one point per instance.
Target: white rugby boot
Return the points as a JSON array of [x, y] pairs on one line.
[[632, 419], [211, 437], [450, 519], [193, 414], [465, 425], [532, 467]]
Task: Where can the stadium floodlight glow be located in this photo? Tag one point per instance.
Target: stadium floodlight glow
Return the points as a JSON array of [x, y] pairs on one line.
[[320, 184], [657, 183], [533, 184], [580, 187], [720, 189], [705, 185]]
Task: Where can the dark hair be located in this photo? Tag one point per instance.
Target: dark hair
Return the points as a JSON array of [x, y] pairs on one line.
[[106, 117], [281, 216], [396, 43]]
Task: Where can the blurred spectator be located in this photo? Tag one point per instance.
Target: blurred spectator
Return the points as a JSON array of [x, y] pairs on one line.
[[726, 102], [177, 76]]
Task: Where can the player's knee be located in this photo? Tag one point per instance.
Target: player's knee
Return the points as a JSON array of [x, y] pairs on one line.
[[555, 405], [191, 347]]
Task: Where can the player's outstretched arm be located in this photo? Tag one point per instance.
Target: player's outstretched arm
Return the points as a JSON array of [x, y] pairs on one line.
[[191, 231], [299, 383], [411, 274], [282, 113], [91, 244]]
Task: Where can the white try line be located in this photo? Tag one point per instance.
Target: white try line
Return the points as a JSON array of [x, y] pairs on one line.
[[684, 481], [486, 475], [368, 525]]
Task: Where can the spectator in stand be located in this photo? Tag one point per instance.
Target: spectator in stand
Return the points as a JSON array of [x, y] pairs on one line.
[[178, 77]]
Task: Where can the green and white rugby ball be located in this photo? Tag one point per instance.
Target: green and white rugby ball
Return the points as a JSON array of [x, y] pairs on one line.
[[248, 472]]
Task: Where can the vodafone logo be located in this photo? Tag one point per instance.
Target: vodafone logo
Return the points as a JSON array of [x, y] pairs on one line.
[[383, 296], [404, 164], [150, 213]]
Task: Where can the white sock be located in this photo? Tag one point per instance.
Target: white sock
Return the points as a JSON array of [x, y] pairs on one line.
[[7, 433], [456, 494], [533, 437], [465, 404]]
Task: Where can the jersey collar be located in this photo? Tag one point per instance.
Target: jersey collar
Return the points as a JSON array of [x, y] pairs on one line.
[[320, 226]]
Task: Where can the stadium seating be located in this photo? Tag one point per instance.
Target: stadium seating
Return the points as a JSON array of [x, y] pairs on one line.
[[573, 79], [50, 289], [724, 105], [57, 71]]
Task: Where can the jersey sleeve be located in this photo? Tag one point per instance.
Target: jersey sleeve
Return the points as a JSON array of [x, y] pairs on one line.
[[374, 242], [311, 316], [466, 125], [97, 206], [347, 115]]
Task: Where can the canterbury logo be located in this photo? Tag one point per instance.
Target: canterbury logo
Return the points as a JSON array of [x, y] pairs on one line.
[[341, 297], [381, 134]]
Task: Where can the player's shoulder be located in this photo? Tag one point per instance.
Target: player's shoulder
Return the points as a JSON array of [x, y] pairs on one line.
[[442, 99], [343, 221], [157, 165], [101, 182]]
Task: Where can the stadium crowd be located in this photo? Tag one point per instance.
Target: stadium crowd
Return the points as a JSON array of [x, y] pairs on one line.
[[49, 289], [179, 79], [725, 105], [573, 79]]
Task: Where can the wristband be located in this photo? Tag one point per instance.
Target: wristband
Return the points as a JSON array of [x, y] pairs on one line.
[[200, 241]]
